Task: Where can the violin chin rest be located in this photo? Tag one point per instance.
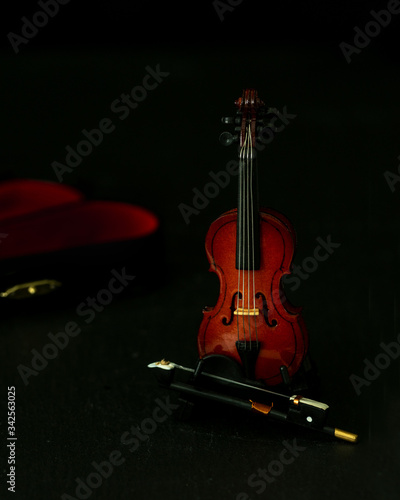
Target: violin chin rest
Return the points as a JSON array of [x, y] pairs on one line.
[[220, 365]]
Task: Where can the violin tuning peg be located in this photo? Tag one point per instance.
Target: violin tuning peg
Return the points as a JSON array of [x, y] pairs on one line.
[[229, 120], [226, 138]]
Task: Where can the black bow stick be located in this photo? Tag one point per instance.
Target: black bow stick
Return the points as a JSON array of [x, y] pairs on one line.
[[235, 390]]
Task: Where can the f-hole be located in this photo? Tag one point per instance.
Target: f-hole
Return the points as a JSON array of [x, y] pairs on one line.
[[265, 310], [232, 308]]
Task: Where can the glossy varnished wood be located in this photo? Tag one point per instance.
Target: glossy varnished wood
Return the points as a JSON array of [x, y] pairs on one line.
[[280, 329]]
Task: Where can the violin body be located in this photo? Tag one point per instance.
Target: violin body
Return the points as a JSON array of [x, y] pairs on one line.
[[281, 332]]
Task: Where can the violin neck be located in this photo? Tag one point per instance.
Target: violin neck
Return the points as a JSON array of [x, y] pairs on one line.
[[248, 218]]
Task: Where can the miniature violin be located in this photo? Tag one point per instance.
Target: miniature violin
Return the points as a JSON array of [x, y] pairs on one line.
[[250, 250]]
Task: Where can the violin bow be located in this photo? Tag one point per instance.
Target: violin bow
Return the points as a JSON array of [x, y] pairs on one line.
[[293, 409]]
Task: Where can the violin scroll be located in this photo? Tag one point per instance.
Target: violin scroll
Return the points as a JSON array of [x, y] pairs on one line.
[[252, 111]]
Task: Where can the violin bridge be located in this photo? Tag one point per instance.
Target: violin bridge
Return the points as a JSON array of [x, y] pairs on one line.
[[240, 311]]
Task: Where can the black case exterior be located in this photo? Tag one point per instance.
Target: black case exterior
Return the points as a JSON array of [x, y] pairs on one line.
[[84, 271]]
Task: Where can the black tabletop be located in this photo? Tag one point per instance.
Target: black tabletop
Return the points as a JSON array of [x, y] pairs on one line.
[[91, 422]]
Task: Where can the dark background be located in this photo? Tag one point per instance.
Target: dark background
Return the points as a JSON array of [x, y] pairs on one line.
[[325, 172]]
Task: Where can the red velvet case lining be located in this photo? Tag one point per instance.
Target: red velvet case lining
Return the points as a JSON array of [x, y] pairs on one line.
[[41, 217]]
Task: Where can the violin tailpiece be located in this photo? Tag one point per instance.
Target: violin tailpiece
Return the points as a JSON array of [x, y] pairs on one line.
[[248, 351]]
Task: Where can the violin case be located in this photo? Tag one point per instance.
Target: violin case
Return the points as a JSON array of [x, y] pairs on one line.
[[55, 244]]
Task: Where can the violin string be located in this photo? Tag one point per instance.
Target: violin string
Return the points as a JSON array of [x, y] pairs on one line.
[[248, 225], [246, 198], [252, 236], [243, 221], [239, 235]]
